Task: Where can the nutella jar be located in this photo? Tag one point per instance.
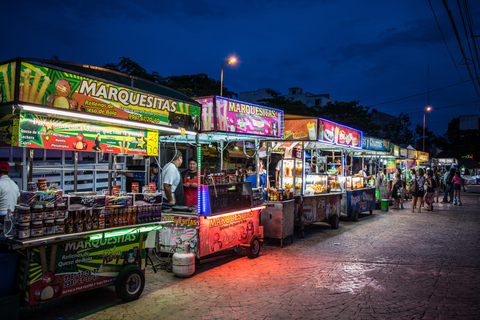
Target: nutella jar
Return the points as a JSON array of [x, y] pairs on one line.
[[36, 229], [32, 186], [49, 212], [42, 184], [60, 212], [23, 231], [59, 226], [49, 227], [37, 213], [23, 214]]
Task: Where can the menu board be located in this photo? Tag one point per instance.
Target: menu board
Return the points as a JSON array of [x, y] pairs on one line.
[[227, 115], [391, 166], [396, 150], [403, 152], [411, 154], [370, 143], [423, 156], [338, 134], [60, 89], [302, 129], [51, 133]]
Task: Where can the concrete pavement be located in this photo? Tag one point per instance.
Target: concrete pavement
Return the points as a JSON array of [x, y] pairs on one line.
[[388, 265]]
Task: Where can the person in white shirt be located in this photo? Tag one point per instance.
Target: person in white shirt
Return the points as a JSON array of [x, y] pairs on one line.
[[172, 181], [9, 191]]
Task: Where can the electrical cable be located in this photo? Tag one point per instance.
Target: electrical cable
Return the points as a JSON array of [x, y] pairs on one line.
[[468, 42]]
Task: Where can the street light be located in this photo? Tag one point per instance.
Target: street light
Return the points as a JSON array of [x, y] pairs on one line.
[[229, 61], [427, 109]]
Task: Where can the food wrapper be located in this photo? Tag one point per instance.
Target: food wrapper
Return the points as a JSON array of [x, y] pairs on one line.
[[84, 202], [31, 198], [145, 199], [124, 201]]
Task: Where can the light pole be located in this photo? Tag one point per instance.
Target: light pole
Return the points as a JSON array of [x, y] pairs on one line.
[[229, 61], [427, 109]]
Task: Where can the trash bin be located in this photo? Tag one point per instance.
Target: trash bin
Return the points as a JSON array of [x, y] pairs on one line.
[[384, 204], [8, 264]]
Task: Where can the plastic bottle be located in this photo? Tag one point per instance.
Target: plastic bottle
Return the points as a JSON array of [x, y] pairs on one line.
[[8, 224]]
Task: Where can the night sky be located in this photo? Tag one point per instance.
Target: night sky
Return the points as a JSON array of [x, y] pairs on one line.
[[371, 51]]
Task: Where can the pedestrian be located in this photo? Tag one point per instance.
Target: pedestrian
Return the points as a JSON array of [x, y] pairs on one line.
[[412, 177], [430, 194], [457, 187], [397, 191], [436, 178], [9, 191], [449, 186], [419, 192]]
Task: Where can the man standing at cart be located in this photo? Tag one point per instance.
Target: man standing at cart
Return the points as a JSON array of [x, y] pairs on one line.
[[172, 181], [9, 191]]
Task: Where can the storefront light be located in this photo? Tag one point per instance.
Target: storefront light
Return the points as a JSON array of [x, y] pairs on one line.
[[236, 212], [123, 232], [84, 116]]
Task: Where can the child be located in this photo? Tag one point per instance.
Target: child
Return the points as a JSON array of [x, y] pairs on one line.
[[457, 186]]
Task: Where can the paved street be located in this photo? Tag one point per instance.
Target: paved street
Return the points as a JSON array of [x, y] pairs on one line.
[[388, 265]]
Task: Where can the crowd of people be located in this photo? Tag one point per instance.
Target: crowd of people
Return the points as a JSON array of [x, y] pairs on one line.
[[424, 188]]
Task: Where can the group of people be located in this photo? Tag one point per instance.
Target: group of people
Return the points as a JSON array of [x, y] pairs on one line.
[[425, 188]]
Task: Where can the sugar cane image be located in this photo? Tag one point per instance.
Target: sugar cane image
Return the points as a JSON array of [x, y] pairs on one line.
[[43, 259], [36, 81], [53, 256], [12, 82], [26, 83], [225, 116], [43, 88], [219, 118], [7, 85], [209, 116]]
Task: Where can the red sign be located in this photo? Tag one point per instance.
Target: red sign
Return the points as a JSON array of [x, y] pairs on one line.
[[335, 133]]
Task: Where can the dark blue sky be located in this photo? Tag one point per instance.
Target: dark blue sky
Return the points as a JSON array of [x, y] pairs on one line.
[[372, 51]]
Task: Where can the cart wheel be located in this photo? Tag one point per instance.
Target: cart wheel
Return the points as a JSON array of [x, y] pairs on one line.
[[334, 221], [129, 283], [354, 215], [254, 250]]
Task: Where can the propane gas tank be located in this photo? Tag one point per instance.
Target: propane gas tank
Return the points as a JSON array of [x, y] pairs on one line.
[[183, 263]]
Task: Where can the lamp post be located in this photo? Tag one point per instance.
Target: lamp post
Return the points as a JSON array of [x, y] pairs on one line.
[[229, 61], [427, 109]]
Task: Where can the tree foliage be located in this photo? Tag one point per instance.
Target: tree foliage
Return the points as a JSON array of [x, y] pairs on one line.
[[398, 131], [196, 85]]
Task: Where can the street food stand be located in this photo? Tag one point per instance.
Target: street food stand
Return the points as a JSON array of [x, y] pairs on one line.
[[70, 243], [228, 210], [316, 185]]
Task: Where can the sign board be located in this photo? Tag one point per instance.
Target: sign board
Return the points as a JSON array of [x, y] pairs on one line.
[[221, 114], [375, 144], [403, 152], [36, 131], [396, 150], [60, 89], [334, 133], [422, 156], [301, 129], [411, 154], [391, 165]]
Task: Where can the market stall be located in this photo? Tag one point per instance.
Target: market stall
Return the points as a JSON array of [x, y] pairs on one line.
[[312, 170], [228, 211], [74, 242]]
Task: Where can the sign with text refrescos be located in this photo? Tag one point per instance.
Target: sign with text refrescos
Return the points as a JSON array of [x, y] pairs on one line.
[[51, 133], [60, 89], [240, 117], [338, 134]]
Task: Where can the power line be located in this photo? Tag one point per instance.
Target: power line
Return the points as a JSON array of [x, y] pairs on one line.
[[460, 45], [468, 41]]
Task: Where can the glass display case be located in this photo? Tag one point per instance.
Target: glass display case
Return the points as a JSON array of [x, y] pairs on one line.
[[316, 183], [354, 182], [291, 175], [334, 182]]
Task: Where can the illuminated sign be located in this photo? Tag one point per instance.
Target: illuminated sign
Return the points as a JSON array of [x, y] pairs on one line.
[[334, 133]]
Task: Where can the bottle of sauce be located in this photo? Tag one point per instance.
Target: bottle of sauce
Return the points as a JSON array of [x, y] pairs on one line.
[[101, 219], [114, 218], [95, 220], [87, 221], [69, 222], [78, 222], [134, 215]]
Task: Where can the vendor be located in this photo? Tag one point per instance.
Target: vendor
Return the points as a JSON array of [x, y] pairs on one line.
[[9, 191], [190, 183], [366, 175], [252, 176], [172, 181], [140, 176]]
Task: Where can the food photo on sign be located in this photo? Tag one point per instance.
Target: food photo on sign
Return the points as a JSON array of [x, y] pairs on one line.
[[337, 134], [302, 129]]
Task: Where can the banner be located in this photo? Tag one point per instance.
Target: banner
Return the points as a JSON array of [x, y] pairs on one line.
[[422, 156], [184, 230], [403, 152], [51, 133], [391, 165], [240, 117], [375, 144], [411, 154], [396, 151], [60, 89], [7, 82], [60, 270], [302, 129], [335, 133]]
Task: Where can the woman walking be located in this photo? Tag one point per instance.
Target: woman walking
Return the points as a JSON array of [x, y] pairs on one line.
[[419, 179], [430, 194], [457, 187], [397, 191], [449, 188]]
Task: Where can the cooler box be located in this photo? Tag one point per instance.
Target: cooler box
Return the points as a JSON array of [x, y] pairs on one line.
[[384, 204]]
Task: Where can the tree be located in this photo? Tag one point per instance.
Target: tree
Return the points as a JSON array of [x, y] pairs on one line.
[[192, 85], [398, 131], [288, 105], [430, 138]]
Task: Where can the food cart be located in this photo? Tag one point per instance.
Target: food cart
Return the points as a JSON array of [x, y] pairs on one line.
[[317, 184], [70, 243], [228, 209]]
